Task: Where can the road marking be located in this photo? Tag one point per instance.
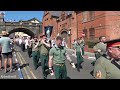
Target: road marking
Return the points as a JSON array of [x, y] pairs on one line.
[[18, 66], [24, 68], [85, 57], [28, 67]]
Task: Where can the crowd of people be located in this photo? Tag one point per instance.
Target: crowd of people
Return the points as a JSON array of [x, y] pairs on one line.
[[53, 53], [107, 55]]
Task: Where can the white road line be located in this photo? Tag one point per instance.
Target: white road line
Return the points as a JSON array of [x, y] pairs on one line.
[[89, 58], [19, 71]]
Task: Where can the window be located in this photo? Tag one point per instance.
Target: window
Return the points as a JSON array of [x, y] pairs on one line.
[[85, 16], [63, 25], [92, 15], [92, 33]]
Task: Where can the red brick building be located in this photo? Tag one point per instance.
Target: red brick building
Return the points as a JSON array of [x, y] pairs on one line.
[[97, 23], [64, 24], [71, 24]]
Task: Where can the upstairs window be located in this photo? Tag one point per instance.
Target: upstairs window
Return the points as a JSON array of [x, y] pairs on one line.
[[92, 33], [84, 13], [92, 15]]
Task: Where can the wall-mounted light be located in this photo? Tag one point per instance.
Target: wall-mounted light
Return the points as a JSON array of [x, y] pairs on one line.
[[70, 28], [58, 34], [69, 32]]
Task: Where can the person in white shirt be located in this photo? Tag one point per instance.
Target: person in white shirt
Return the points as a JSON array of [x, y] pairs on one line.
[[20, 41], [64, 44], [26, 42]]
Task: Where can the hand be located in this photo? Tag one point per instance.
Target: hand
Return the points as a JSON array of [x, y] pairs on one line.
[[42, 41], [52, 72], [99, 50]]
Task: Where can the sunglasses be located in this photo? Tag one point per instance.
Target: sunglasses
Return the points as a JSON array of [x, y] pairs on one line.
[[116, 47]]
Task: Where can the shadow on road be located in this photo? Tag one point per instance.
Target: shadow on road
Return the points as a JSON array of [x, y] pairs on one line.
[[68, 77], [80, 66], [24, 65]]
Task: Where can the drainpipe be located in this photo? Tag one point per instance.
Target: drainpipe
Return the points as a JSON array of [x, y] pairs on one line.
[[77, 24]]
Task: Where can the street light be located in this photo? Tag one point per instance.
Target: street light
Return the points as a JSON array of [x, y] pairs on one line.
[[58, 34]]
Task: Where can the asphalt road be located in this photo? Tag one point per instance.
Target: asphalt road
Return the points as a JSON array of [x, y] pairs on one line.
[[28, 72]]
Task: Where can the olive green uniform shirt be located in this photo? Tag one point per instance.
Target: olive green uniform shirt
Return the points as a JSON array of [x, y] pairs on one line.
[[43, 48], [77, 47], [104, 69], [82, 43], [100, 46], [33, 45], [59, 55]]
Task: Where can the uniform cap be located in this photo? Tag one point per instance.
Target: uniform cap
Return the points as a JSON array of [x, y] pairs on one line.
[[111, 43]]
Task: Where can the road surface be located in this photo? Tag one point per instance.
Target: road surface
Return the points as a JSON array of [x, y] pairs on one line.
[[28, 72]]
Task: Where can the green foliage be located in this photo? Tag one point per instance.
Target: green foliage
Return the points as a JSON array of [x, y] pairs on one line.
[[91, 43]]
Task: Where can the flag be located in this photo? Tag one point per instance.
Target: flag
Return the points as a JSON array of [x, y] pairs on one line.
[[48, 28]]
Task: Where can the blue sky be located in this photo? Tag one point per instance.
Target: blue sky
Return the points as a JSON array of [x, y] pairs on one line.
[[23, 15]]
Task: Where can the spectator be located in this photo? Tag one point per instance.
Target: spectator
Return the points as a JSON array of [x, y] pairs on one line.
[[64, 44], [29, 47], [5, 42]]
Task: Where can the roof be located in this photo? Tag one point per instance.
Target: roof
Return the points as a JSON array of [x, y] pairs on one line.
[[58, 13], [30, 20], [55, 13], [34, 19]]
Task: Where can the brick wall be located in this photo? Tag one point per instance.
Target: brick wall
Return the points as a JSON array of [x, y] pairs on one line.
[[113, 22], [105, 23], [48, 20], [98, 24]]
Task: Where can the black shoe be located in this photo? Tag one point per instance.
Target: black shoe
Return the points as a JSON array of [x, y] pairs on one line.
[[78, 69], [91, 72], [81, 67]]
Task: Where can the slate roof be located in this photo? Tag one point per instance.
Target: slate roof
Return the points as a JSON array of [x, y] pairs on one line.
[[58, 13]]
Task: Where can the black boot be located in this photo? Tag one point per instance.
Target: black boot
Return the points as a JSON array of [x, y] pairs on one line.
[[78, 69], [91, 72]]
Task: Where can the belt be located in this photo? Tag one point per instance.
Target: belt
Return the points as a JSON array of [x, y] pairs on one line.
[[60, 64], [44, 54]]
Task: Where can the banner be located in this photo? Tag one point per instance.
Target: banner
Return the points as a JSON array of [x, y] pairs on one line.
[[48, 31]]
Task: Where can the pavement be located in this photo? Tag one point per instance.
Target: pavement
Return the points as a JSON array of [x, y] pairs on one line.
[[28, 72]]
